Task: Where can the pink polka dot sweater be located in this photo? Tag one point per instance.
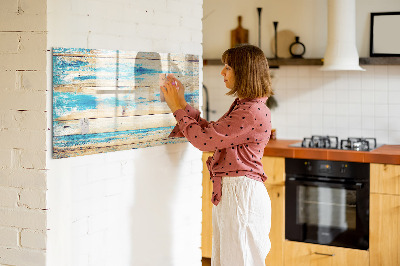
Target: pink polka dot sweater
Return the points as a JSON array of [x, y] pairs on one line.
[[238, 139]]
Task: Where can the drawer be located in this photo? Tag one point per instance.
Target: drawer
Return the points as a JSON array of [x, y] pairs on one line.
[[298, 253]]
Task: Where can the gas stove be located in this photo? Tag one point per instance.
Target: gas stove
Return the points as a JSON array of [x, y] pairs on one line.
[[332, 142]]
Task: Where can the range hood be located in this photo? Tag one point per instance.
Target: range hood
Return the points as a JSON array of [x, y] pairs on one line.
[[341, 51]]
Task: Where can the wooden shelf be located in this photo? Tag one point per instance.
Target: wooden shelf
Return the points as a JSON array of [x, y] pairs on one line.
[[273, 63], [380, 61]]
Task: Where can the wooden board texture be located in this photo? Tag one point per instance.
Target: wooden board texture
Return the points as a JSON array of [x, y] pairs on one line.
[[109, 100]]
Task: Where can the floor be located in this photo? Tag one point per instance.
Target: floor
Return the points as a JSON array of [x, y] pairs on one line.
[[206, 261]]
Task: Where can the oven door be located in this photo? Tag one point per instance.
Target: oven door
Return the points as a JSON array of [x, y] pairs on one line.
[[327, 213]]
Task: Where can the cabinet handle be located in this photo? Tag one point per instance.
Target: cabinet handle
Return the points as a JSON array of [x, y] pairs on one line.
[[324, 254]]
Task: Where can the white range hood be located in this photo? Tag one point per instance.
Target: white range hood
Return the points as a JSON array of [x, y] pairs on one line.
[[341, 51]]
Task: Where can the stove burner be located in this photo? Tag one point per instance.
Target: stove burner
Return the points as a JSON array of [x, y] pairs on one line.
[[358, 144], [332, 142], [328, 142]]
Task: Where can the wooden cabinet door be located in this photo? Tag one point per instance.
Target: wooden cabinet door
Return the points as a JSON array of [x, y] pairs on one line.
[[206, 225], [385, 178], [304, 254], [277, 233], [274, 168], [384, 236]]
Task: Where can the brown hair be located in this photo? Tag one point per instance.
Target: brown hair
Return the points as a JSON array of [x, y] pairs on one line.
[[250, 66]]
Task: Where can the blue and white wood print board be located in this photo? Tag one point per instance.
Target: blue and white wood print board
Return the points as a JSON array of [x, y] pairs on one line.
[[109, 100]]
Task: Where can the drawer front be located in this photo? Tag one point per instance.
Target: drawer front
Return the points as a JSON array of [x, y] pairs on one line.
[[297, 253], [385, 178]]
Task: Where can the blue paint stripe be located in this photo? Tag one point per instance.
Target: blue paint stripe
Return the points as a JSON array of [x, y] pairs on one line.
[[65, 103], [83, 51], [109, 137], [64, 71]]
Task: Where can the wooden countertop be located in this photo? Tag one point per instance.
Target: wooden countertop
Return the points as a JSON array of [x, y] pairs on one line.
[[389, 154]]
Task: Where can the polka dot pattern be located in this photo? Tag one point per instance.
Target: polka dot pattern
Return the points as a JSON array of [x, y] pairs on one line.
[[238, 139]]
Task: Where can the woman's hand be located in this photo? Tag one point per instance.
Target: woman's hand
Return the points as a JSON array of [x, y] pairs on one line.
[[171, 94], [181, 90]]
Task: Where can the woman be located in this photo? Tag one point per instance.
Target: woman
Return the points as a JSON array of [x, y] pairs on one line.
[[242, 208]]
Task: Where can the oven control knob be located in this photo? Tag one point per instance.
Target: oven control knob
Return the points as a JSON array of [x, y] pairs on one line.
[[308, 166], [343, 168]]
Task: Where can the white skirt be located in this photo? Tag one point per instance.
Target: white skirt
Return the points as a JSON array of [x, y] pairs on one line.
[[241, 223]]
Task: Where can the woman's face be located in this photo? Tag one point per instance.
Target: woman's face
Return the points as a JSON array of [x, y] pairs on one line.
[[229, 76]]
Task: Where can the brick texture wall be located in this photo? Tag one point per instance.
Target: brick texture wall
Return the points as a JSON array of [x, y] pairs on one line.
[[137, 207], [23, 44]]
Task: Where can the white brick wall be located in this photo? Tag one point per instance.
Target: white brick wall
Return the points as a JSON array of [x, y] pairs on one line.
[[9, 237], [23, 178], [8, 197], [138, 207], [33, 239], [24, 256], [100, 206], [23, 218], [23, 15], [23, 132]]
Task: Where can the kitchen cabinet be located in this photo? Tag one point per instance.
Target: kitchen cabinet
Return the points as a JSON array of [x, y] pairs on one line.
[[277, 233], [274, 168], [385, 230], [305, 254], [384, 245], [384, 221], [385, 178], [206, 225], [385, 214]]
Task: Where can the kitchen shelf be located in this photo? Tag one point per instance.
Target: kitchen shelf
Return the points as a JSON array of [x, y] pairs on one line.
[[274, 63], [380, 61]]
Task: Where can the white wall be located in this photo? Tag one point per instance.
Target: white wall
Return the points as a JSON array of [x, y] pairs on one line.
[[346, 104], [136, 207], [305, 18], [23, 133], [311, 102]]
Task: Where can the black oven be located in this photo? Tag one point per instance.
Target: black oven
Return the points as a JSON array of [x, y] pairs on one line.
[[327, 202]]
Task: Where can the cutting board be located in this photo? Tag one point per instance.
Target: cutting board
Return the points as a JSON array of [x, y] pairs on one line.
[[239, 35]]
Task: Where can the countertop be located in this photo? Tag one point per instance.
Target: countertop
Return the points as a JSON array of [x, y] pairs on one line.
[[388, 154]]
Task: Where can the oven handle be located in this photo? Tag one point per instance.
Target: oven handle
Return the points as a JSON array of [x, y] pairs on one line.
[[357, 185]]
